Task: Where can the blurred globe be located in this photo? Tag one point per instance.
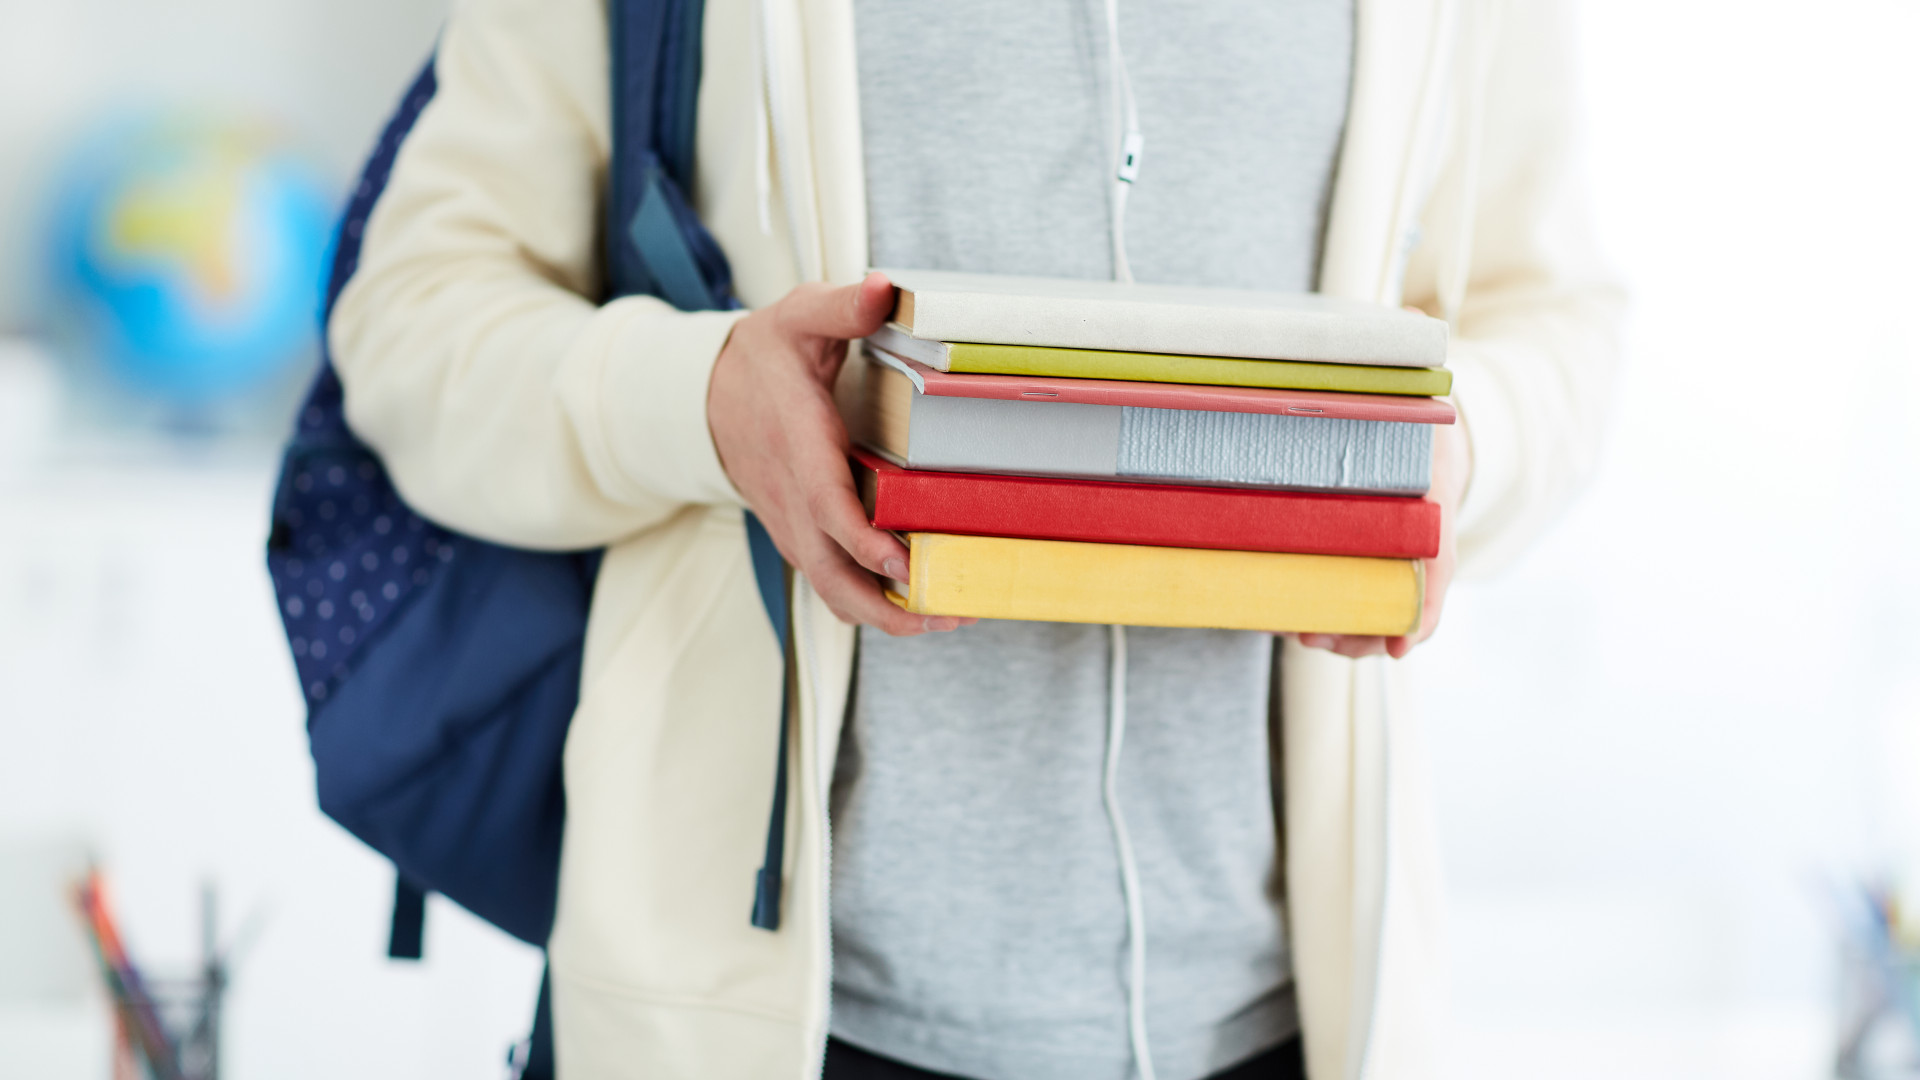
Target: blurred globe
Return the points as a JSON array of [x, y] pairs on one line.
[[186, 256]]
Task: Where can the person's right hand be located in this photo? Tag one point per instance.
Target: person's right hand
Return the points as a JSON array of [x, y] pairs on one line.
[[770, 409]]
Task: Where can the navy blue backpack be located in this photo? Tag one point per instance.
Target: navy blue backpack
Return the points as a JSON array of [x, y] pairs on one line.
[[441, 671]]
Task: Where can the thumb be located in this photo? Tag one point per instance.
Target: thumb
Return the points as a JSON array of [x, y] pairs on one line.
[[848, 311]]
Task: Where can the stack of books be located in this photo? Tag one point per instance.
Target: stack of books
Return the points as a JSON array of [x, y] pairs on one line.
[[1075, 451]]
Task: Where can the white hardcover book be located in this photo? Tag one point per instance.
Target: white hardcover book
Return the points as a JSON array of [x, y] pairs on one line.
[[947, 306]]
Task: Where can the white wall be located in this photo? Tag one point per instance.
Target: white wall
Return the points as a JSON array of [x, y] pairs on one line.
[[1676, 717], [150, 711], [324, 71], [147, 711]]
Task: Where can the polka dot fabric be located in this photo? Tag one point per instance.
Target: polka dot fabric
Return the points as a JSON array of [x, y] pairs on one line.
[[345, 553]]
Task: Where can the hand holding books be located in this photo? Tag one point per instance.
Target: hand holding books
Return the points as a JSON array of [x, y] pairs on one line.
[[1085, 452], [770, 410]]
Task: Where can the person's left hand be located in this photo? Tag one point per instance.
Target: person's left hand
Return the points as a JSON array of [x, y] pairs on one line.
[[1450, 469]]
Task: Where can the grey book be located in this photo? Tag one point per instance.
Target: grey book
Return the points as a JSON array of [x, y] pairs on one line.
[[1178, 446]]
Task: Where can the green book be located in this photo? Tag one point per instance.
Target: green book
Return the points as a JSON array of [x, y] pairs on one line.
[[1162, 367]]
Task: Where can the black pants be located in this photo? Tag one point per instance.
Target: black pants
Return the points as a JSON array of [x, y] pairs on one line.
[[848, 1062]]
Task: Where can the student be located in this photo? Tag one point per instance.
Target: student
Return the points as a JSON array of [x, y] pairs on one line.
[[953, 887]]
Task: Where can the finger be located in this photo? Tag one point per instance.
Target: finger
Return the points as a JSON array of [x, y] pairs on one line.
[[853, 594], [1439, 573], [1398, 647], [1352, 646], [836, 510], [1359, 645], [822, 475], [855, 597], [847, 311]]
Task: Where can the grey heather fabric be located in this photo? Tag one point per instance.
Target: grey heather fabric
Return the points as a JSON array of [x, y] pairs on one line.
[[989, 142], [978, 921]]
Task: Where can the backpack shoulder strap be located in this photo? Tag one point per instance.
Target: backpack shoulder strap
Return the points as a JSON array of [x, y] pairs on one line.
[[345, 258], [635, 29], [655, 243]]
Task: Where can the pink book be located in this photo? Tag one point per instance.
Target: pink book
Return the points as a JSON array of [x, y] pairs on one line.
[[1150, 395]]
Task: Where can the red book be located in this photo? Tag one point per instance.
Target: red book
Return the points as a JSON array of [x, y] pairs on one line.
[[1155, 515]]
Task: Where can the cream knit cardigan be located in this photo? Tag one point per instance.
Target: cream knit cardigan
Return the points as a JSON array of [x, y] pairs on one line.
[[508, 405]]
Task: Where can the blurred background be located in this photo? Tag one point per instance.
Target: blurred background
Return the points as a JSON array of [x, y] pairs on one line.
[[1671, 745]]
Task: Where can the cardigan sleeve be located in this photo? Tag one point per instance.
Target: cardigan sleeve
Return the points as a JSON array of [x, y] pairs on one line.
[[1536, 328]]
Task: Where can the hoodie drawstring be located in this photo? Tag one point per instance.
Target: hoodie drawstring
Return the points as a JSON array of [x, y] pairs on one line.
[[1126, 167], [1123, 847]]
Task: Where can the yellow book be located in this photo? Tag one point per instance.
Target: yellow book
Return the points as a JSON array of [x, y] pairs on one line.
[[1207, 370], [972, 358], [992, 577]]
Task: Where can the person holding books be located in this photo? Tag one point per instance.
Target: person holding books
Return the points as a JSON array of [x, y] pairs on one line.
[[962, 897]]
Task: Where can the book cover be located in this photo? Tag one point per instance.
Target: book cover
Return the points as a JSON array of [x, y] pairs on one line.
[[1156, 515], [977, 358], [994, 577], [1153, 395], [1180, 446], [996, 309]]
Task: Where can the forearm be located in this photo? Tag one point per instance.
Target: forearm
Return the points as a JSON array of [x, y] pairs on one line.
[[520, 413]]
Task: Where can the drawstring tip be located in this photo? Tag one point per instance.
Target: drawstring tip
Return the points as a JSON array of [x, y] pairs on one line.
[[1130, 148], [766, 899]]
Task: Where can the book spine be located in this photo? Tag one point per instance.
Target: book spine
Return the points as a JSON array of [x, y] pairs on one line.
[[1151, 514], [992, 577]]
